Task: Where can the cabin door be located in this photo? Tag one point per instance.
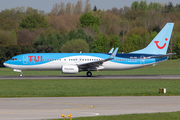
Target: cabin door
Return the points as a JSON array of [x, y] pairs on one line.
[[142, 59], [25, 59]]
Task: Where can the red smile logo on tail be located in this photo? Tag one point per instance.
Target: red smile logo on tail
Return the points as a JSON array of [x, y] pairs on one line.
[[159, 46]]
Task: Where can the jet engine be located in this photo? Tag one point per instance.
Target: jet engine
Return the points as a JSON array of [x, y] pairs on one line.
[[70, 69]]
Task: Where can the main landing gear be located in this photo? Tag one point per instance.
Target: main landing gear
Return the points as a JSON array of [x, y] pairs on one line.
[[89, 74]]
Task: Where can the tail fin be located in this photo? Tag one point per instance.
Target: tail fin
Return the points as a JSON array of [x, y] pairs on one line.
[[160, 43]]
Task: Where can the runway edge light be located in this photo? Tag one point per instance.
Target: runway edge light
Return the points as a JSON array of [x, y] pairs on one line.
[[70, 116], [62, 115]]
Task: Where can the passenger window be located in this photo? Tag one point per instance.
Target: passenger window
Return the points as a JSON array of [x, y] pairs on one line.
[[14, 59]]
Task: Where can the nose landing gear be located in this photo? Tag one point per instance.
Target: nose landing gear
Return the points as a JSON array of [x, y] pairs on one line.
[[21, 74], [89, 74]]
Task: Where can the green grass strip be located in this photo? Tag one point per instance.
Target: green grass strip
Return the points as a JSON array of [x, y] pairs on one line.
[[88, 87], [153, 116]]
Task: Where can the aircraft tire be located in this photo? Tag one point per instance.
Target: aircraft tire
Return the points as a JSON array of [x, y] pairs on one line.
[[89, 74]]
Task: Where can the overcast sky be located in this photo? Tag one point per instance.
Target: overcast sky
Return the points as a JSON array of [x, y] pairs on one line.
[[47, 5]]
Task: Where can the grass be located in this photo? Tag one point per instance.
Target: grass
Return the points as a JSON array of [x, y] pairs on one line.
[[152, 116], [72, 88], [169, 67]]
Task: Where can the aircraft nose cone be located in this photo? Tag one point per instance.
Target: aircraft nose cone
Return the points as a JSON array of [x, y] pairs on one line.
[[5, 64]]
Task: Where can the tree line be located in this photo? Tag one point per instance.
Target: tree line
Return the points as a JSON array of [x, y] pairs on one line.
[[80, 27]]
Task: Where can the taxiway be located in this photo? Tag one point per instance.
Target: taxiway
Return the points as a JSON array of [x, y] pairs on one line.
[[52, 108], [93, 77]]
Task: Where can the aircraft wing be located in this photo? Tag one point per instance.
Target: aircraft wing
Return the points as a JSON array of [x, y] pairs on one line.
[[95, 64], [161, 56]]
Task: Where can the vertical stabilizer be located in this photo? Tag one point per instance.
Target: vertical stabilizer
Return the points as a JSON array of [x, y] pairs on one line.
[[160, 43]]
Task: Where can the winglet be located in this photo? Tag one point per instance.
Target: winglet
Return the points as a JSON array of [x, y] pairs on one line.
[[113, 55], [111, 51]]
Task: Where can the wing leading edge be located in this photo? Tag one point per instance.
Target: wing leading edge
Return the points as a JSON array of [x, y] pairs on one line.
[[97, 64]]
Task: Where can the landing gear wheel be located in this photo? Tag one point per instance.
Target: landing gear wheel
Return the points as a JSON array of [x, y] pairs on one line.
[[21, 75], [89, 74]]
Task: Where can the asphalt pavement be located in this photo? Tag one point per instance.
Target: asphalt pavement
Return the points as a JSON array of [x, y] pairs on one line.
[[53, 107], [93, 77]]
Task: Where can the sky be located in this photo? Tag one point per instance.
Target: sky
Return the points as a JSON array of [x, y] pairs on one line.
[[47, 5]]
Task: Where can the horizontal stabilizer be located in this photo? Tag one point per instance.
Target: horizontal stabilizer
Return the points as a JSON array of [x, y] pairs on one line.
[[161, 56]]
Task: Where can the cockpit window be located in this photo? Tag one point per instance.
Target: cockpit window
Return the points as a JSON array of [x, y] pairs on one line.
[[14, 59]]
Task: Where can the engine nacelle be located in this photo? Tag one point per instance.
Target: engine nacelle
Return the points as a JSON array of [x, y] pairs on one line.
[[69, 69]]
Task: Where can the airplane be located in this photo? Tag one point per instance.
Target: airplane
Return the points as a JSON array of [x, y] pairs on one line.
[[73, 63]]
